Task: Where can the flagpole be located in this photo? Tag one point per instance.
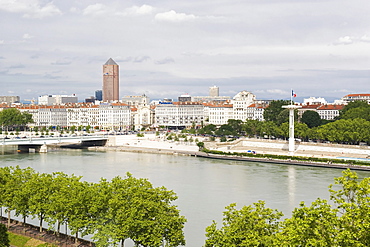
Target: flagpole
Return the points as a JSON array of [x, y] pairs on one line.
[[291, 96]]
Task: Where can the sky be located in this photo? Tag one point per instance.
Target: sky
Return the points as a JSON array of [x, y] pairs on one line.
[[167, 48]]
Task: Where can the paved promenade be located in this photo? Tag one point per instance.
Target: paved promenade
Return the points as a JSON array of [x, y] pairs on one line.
[[152, 143]]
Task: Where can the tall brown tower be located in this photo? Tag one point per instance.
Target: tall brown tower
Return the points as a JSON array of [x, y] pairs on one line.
[[110, 81]]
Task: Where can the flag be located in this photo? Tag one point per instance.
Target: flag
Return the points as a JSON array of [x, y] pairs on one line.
[[293, 94]]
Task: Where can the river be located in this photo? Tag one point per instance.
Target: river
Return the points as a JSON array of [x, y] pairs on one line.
[[204, 186]]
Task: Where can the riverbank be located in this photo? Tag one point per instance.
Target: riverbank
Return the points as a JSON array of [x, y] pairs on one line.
[[159, 145]]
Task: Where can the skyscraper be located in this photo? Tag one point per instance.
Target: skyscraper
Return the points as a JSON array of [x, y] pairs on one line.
[[110, 81], [99, 95]]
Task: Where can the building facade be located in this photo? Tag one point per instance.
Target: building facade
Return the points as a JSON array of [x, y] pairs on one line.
[[110, 81], [356, 97], [179, 114], [57, 99], [9, 99]]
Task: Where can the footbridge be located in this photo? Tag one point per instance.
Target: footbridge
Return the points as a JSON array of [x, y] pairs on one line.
[[39, 144]]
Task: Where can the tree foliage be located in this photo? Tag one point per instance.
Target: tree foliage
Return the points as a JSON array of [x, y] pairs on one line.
[[124, 208], [274, 109], [250, 226], [12, 117], [345, 222], [311, 118], [4, 238]]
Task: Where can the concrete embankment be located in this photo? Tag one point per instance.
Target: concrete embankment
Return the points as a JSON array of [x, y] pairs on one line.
[[159, 145]]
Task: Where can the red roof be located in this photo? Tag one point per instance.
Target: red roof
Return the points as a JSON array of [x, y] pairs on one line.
[[358, 95], [331, 107]]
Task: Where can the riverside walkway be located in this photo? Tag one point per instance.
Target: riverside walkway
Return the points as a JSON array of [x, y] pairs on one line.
[[46, 235]]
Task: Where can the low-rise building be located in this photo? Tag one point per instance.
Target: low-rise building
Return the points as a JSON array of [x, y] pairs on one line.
[[329, 112], [357, 97]]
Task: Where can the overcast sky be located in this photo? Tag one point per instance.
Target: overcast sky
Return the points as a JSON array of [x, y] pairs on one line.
[[168, 48]]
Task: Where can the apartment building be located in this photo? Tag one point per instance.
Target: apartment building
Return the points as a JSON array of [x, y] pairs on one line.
[[179, 114], [105, 116], [329, 112], [355, 97], [218, 113], [241, 102]]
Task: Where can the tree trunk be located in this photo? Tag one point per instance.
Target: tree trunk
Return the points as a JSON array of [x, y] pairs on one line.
[[76, 240], [58, 228], [41, 218], [122, 243], [8, 218]]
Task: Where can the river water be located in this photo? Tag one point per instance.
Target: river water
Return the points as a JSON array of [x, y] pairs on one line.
[[204, 186]]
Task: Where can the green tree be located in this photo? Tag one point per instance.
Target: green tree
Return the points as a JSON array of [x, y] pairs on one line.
[[200, 145], [353, 202], [353, 105], [41, 188], [236, 125], [311, 118], [272, 112], [250, 226], [360, 112], [251, 127], [138, 211], [225, 130], [13, 118], [208, 129], [4, 238], [310, 226], [14, 184]]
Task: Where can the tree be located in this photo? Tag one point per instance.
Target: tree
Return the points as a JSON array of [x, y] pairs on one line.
[[14, 184], [251, 127], [13, 118], [272, 112], [236, 125], [353, 202], [250, 226], [310, 226], [4, 238], [41, 188], [311, 118], [200, 145], [353, 105], [138, 211], [360, 112]]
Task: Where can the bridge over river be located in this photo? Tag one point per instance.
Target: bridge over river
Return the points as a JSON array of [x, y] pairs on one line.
[[39, 144]]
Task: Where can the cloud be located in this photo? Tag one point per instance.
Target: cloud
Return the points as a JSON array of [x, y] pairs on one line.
[[30, 8], [142, 10], [2, 42], [365, 38], [27, 36], [64, 61], [277, 91], [18, 66], [96, 10], [348, 40], [141, 59], [172, 16], [166, 60]]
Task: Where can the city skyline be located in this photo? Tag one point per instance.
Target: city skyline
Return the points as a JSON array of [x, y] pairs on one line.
[[166, 48]]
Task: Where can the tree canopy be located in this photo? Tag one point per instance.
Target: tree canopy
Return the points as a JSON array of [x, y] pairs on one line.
[[311, 118], [112, 211], [12, 117], [274, 109], [344, 222]]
